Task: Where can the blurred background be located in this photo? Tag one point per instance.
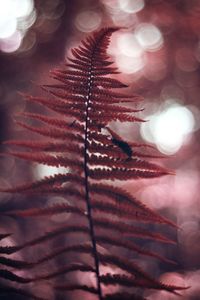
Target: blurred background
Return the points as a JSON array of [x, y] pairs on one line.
[[158, 52]]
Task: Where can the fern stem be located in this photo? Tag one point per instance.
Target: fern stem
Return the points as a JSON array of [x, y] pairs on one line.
[[89, 208]]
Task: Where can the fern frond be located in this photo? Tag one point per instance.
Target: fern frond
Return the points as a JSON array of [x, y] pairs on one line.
[[47, 159], [64, 270], [48, 236], [8, 275], [123, 295], [130, 282], [130, 230], [57, 122], [129, 212], [85, 99], [11, 291], [124, 174], [47, 211], [130, 246], [52, 133], [74, 287], [50, 181], [47, 146], [4, 235]]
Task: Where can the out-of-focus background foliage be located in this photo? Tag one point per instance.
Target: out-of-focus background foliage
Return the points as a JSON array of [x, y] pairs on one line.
[[158, 52]]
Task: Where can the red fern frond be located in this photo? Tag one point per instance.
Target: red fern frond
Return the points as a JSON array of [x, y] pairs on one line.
[[85, 99]]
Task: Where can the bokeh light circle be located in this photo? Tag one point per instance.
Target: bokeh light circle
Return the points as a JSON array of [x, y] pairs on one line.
[[149, 36], [130, 6], [12, 43], [22, 8], [169, 128], [8, 26], [87, 21], [128, 45], [40, 171], [129, 65], [16, 16]]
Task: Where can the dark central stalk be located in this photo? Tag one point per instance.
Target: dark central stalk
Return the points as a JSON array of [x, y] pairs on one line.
[[89, 208]]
